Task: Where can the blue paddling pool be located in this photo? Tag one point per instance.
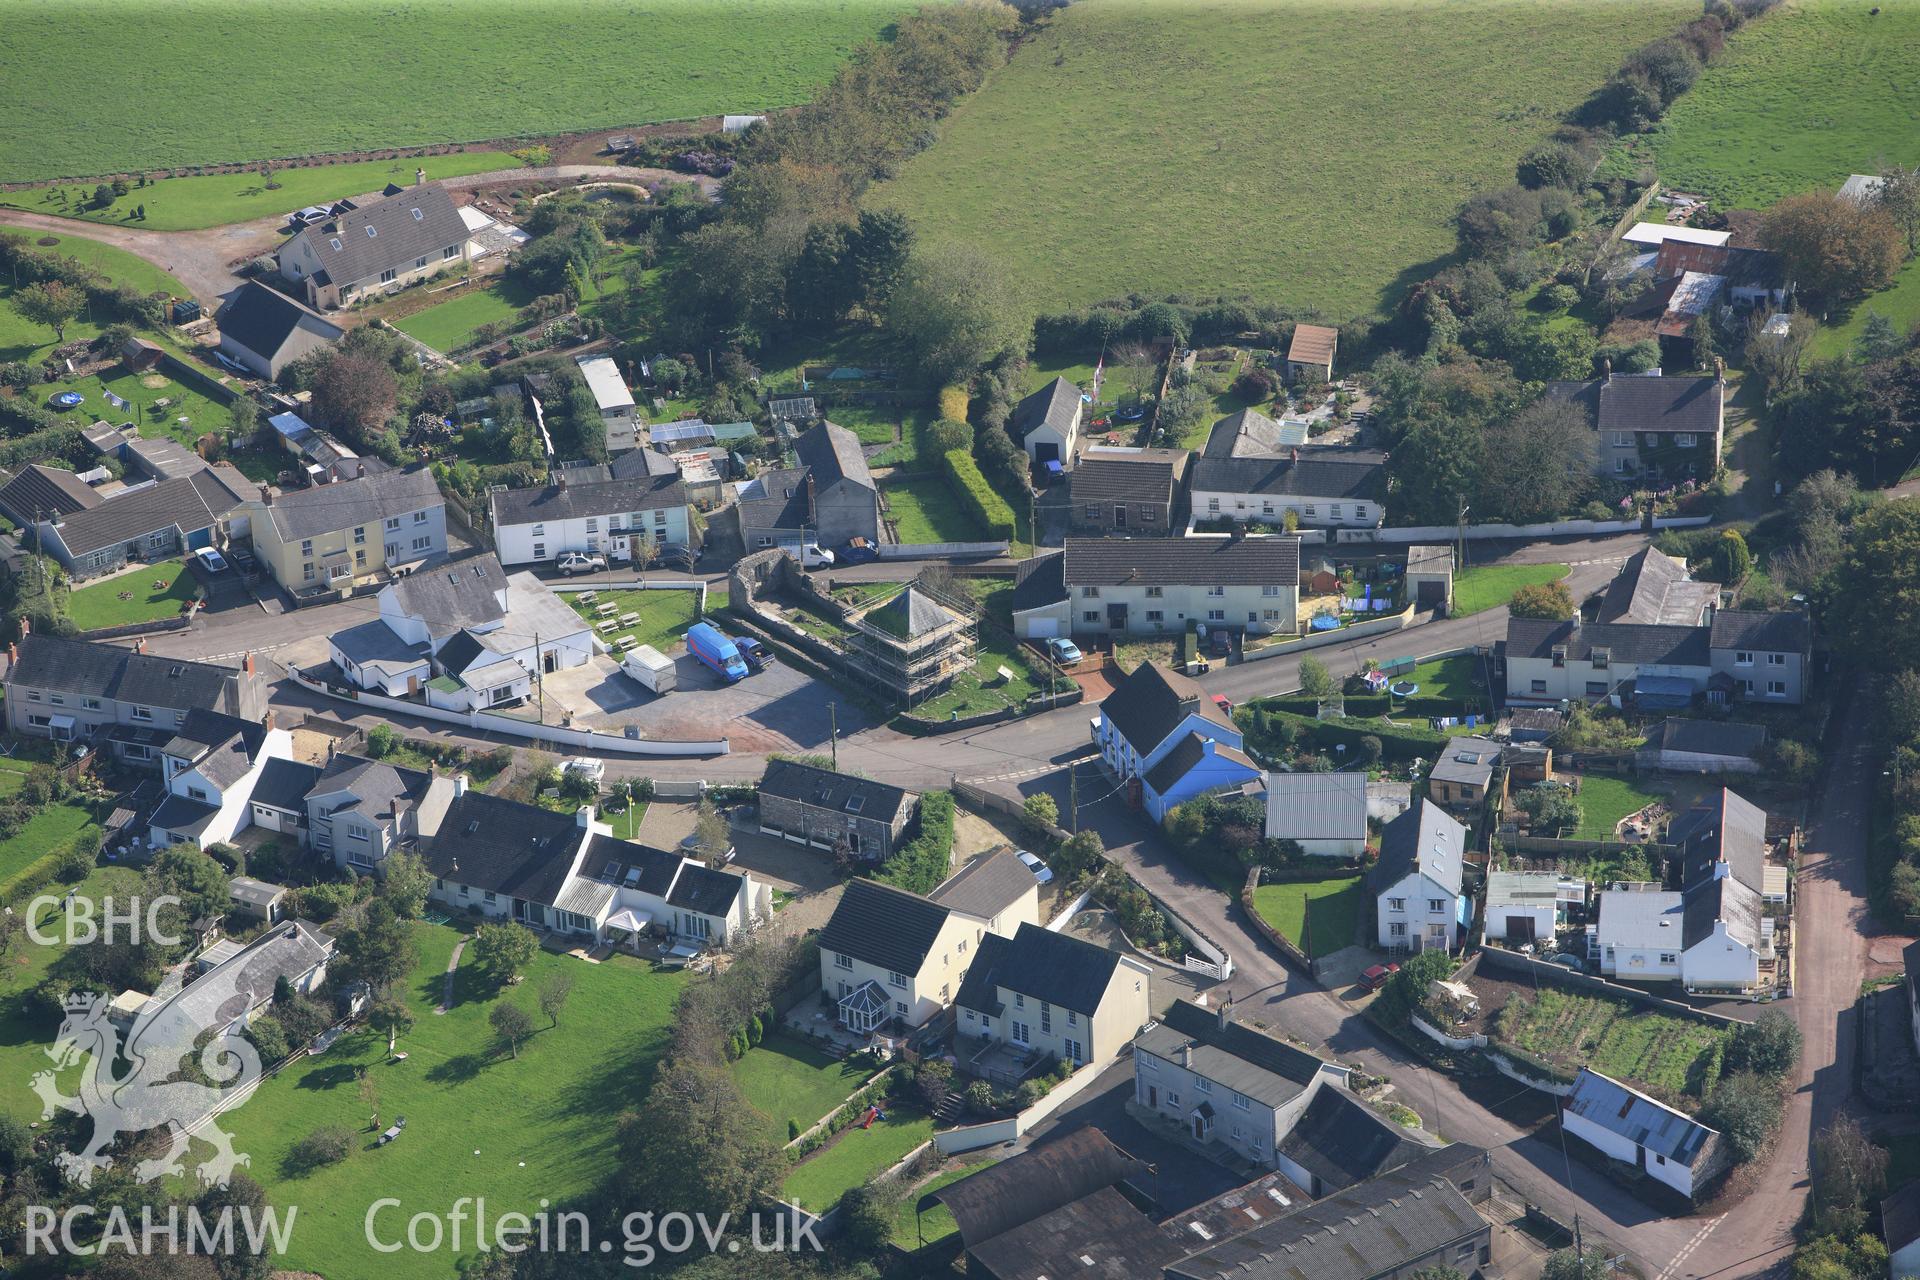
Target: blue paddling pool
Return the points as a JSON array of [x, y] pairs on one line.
[[1324, 622], [69, 400]]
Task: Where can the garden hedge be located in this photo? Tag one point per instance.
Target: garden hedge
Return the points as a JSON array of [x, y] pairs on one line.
[[952, 402], [923, 863], [1397, 741], [976, 495], [1418, 707], [39, 873]]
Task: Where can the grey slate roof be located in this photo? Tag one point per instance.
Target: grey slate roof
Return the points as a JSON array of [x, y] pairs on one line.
[[574, 500], [702, 889], [1639, 403], [767, 504], [1153, 701], [1192, 562], [1427, 839], [89, 669], [261, 319], [1317, 806], [1654, 588], [1319, 473], [220, 746], [1721, 901], [1371, 1229], [1054, 968], [49, 491], [1187, 753], [187, 503], [1052, 1173], [1038, 582], [1150, 475], [986, 886], [883, 926], [1900, 1216], [489, 842], [1615, 1107], [370, 499], [1724, 827], [464, 593], [378, 788], [374, 642], [1786, 632], [1638, 643], [832, 453], [630, 865], [400, 238], [1340, 1141], [1237, 1057], [1710, 737], [1053, 405], [1252, 434], [283, 784], [1467, 761], [1099, 1236], [183, 816], [825, 789]]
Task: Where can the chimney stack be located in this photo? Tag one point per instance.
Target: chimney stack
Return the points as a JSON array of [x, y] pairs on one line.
[[1606, 367], [247, 666], [1720, 371], [266, 495], [560, 478], [419, 176], [584, 816], [359, 471], [1186, 1054], [140, 645], [268, 722], [460, 784], [1225, 1014], [26, 625]]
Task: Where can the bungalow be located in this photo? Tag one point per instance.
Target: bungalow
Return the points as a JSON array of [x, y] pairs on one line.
[[1310, 354], [1650, 428], [1047, 423], [1160, 586], [265, 330], [379, 247], [296, 953], [1529, 906], [1322, 488], [1049, 998], [1417, 883], [1249, 433], [1463, 775], [1122, 491], [1324, 813], [209, 768], [146, 523], [893, 958], [349, 534], [819, 807], [1168, 741], [1660, 1142], [1226, 1082], [37, 492]]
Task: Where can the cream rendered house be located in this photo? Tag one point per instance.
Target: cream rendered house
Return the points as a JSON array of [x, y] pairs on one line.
[[1051, 998], [892, 957], [344, 535]]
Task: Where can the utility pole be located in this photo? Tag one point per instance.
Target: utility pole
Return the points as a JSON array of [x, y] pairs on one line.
[[1460, 535], [1073, 798], [833, 720], [539, 683]]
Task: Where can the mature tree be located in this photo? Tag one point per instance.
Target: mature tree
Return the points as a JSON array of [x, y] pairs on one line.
[[391, 1017], [712, 838], [554, 987], [406, 883], [1879, 340], [242, 1195], [1899, 195], [353, 393], [1552, 164], [1860, 1256], [376, 946], [1731, 561], [697, 1145], [503, 949], [1538, 463], [1882, 625], [1775, 358], [1552, 807], [1550, 600], [1849, 1175], [512, 1023], [1745, 1108], [53, 303], [1080, 852], [1545, 353], [1042, 812], [1315, 680], [1566, 1264], [188, 873], [954, 311], [878, 253], [1835, 249], [243, 418], [1769, 1045]]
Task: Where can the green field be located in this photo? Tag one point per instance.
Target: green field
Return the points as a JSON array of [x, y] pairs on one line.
[[1308, 152], [856, 1155], [1900, 303], [479, 1122], [156, 591], [926, 511], [1813, 92], [1664, 1055], [787, 1080], [20, 340], [1331, 907], [1490, 587], [206, 81], [1604, 801]]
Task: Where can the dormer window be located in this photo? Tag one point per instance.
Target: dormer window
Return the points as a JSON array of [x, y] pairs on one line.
[[1559, 655], [1602, 659]]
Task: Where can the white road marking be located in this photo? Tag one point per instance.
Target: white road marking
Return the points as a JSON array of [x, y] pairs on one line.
[[1672, 1269]]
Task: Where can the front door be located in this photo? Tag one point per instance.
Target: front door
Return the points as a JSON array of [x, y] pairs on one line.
[[1116, 617], [1153, 1097]]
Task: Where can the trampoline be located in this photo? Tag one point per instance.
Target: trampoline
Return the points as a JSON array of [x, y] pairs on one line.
[[1403, 688]]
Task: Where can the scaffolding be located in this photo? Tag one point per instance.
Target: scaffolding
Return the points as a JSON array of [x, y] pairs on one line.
[[916, 641]]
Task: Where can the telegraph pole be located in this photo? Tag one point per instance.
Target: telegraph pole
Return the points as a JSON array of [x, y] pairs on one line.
[[833, 719], [1073, 798]]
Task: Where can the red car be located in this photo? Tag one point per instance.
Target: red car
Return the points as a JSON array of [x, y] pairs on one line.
[[1375, 978]]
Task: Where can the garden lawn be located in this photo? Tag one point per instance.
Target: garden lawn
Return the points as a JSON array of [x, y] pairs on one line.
[[449, 325], [910, 1229], [1342, 194], [25, 1034], [1813, 92], [1899, 302], [1491, 586], [1450, 678], [925, 510], [1604, 801], [41, 834], [855, 1156], [1332, 907], [664, 615], [451, 71], [21, 340], [1667, 1056], [873, 424], [201, 413], [626, 823], [100, 605], [787, 1080], [541, 1125]]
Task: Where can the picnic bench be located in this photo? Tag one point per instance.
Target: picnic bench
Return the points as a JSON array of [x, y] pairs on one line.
[[625, 642], [601, 611], [587, 597], [629, 619], [606, 624]]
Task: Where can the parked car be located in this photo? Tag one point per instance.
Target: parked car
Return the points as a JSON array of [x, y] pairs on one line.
[[858, 551], [242, 558], [1041, 871], [1378, 975], [757, 654], [579, 562], [690, 848], [1220, 643], [1568, 961], [587, 767], [1063, 651], [210, 560]]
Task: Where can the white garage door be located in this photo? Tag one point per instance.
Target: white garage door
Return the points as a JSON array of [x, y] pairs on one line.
[[1042, 628]]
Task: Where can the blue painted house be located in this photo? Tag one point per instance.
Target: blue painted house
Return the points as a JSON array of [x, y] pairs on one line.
[[1419, 882], [1168, 741]]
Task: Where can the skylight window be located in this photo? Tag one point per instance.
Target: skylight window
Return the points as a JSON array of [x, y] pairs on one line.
[[419, 216], [372, 231], [335, 242], [855, 803]]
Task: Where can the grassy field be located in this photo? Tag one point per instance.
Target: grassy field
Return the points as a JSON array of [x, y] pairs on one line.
[[1130, 132], [1604, 801], [856, 1155], [787, 1080], [156, 592], [38, 836], [167, 92], [1899, 303], [926, 511], [1331, 906], [20, 340], [479, 1122], [1664, 1055], [1815, 91], [215, 199], [664, 615], [1490, 587]]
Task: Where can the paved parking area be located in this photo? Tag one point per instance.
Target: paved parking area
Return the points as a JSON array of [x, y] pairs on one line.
[[779, 709]]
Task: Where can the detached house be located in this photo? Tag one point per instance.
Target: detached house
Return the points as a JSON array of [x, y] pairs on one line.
[[266, 331], [126, 700], [1122, 491], [359, 810], [147, 523], [210, 767], [379, 247], [345, 535], [1653, 428], [1168, 741], [814, 806], [1047, 423], [829, 498], [1417, 882], [1048, 997], [893, 958], [1142, 586], [1711, 937]]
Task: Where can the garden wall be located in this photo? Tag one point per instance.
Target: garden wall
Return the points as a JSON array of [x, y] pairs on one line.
[[179, 622], [1358, 631], [975, 1136], [1267, 931], [1458, 1043], [1555, 529]]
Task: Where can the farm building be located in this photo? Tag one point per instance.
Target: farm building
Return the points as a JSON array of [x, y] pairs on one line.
[[1666, 1145]]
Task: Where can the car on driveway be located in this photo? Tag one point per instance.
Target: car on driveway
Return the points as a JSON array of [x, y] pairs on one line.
[[1377, 976], [1063, 651], [576, 562], [757, 654], [1041, 871], [587, 767], [210, 560]]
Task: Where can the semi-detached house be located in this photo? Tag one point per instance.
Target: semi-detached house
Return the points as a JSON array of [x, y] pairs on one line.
[[1160, 586], [889, 958], [345, 535], [1168, 742], [210, 768], [1050, 997], [616, 517]]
